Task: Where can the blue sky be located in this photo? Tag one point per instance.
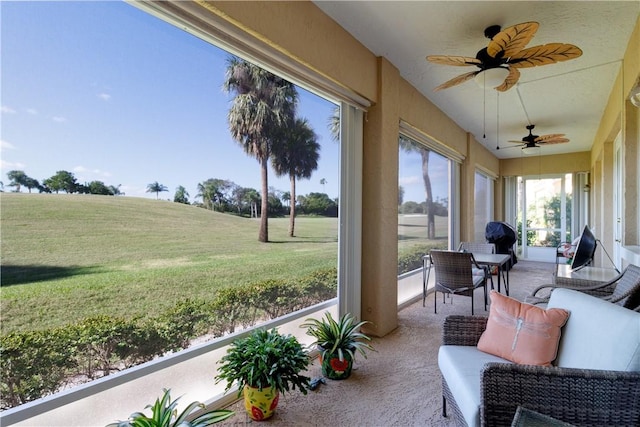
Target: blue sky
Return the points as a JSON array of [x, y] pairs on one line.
[[110, 93]]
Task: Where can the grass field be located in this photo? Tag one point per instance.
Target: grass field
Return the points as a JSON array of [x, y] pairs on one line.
[[67, 257]]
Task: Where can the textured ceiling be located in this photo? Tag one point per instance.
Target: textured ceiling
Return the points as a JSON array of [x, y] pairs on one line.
[[567, 97]]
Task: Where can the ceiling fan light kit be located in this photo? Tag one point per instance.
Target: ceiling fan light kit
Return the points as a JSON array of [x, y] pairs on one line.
[[531, 150], [491, 77]]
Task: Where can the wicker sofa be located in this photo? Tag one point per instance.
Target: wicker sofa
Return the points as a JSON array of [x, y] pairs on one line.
[[595, 380]]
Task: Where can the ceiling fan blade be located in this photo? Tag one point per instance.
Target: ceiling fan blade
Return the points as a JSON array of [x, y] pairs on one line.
[[510, 81], [457, 80], [512, 39], [459, 61], [544, 54], [549, 136], [554, 141], [518, 142]]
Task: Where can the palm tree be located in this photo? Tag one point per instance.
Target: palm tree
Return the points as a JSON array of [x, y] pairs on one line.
[[181, 195], [409, 146], [297, 156], [323, 182], [156, 187], [263, 104], [334, 123]]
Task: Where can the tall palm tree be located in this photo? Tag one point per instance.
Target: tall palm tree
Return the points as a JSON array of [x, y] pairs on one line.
[[297, 156], [409, 146], [156, 187], [263, 104], [334, 123]]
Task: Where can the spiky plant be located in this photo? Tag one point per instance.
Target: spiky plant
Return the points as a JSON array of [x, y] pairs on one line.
[[165, 414], [338, 337]]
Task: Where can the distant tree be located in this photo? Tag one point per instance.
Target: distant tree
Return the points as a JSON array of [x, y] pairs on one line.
[[263, 103], [115, 190], [296, 156], [214, 193], [411, 207], [17, 179], [156, 187], [62, 181], [400, 195], [98, 187], [286, 197], [252, 197], [318, 204], [323, 182], [181, 195]]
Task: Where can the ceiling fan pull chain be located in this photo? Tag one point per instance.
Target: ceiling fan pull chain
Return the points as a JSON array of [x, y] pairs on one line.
[[497, 120]]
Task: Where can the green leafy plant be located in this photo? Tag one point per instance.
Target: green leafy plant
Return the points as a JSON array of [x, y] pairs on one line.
[[263, 359], [165, 414], [338, 337]]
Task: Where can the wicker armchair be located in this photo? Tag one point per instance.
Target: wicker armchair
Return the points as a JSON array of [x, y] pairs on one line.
[[626, 289], [581, 397], [454, 275]]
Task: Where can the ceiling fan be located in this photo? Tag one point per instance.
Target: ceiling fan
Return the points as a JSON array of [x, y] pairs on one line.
[[505, 54], [532, 142]]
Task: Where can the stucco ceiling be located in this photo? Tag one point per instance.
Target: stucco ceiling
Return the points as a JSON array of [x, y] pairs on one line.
[[567, 97]]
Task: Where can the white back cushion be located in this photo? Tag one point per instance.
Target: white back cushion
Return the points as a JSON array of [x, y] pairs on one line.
[[598, 334]]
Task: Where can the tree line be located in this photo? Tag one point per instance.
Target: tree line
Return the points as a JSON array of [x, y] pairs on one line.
[[219, 195]]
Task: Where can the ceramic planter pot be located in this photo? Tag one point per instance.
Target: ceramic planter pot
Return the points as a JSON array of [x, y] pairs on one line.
[[334, 368], [260, 404]]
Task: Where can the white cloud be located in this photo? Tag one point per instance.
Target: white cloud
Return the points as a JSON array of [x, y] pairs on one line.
[[8, 110], [59, 119], [104, 96], [5, 145], [98, 172], [11, 165], [32, 111]]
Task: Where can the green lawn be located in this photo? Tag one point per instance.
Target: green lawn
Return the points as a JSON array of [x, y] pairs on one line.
[[66, 257]]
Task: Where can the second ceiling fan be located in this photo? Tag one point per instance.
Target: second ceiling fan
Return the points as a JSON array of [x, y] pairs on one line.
[[535, 141]]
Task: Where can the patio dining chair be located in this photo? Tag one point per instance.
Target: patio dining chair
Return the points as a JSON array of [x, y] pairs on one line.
[[454, 276], [480, 248], [626, 289]]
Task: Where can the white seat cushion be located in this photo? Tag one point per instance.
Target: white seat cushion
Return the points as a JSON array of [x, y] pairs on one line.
[[460, 366], [598, 334]]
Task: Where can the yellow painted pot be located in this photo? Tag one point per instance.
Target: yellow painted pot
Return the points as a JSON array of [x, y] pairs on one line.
[[260, 404]]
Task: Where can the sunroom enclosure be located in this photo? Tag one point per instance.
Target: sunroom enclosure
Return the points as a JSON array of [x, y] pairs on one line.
[[372, 92]]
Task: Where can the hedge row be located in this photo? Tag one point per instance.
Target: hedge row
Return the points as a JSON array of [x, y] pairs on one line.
[[34, 364], [411, 259]]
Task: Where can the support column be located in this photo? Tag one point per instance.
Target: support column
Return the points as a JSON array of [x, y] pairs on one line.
[[380, 206]]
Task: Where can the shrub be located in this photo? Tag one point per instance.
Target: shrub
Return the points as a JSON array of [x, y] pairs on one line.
[[33, 364], [102, 342], [319, 286], [184, 321], [233, 307], [276, 297]]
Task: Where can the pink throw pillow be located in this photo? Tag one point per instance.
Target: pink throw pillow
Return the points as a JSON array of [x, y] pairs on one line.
[[522, 333]]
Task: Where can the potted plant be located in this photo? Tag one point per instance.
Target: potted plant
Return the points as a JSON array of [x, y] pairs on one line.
[[338, 341], [263, 365], [165, 414]]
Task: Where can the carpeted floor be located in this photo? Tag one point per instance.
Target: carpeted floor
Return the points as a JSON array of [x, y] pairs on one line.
[[399, 384]]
